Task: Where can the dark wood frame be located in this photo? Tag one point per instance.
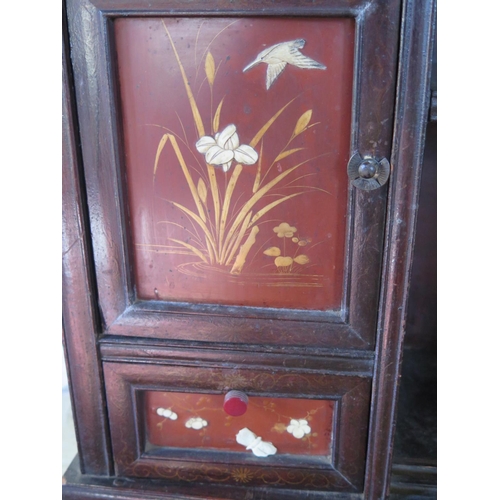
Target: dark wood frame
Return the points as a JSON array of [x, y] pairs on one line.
[[80, 325], [344, 472], [354, 325], [82, 487], [91, 476], [412, 107]]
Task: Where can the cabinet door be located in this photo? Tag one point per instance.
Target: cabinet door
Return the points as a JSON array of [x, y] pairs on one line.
[[215, 140]]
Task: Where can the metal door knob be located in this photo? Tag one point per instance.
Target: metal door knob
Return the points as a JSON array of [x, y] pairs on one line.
[[368, 173], [235, 403]]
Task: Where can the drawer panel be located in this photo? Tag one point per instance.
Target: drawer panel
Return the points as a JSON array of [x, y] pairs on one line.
[[331, 409], [198, 420]]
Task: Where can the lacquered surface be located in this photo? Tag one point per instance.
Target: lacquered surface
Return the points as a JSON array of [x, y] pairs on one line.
[[268, 418], [182, 249]]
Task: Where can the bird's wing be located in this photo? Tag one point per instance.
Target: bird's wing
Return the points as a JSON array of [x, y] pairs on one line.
[[273, 71], [282, 49], [302, 61]]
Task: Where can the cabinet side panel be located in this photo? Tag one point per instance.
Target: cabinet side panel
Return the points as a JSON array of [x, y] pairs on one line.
[[78, 318]]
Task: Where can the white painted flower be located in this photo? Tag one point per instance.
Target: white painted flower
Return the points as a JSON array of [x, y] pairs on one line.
[[299, 428], [225, 147], [196, 423], [166, 413]]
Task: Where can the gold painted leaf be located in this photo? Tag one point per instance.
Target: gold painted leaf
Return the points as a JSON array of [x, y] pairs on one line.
[[266, 209], [272, 252], [192, 248], [260, 134], [302, 122], [227, 202], [188, 177], [256, 182], [217, 116], [210, 68], [287, 153], [235, 243], [283, 261], [192, 101], [254, 199], [202, 190], [244, 249], [200, 223], [161, 145], [302, 259]]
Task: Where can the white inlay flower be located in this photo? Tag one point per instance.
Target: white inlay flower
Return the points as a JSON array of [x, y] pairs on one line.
[[225, 147], [299, 428], [196, 423], [254, 443], [166, 413]]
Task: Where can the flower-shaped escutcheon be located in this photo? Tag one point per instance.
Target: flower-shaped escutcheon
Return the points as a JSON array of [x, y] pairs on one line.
[[284, 230], [299, 428], [196, 423], [225, 147]]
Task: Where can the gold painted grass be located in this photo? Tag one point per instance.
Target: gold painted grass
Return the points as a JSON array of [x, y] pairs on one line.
[[192, 248], [192, 101], [221, 244], [227, 202]]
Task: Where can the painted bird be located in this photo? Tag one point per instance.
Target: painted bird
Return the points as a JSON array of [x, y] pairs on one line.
[[281, 54]]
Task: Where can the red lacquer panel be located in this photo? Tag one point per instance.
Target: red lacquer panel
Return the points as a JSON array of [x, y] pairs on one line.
[[293, 426], [235, 171]]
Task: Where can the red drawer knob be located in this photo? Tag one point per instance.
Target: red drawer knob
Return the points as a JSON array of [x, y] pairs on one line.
[[235, 403]]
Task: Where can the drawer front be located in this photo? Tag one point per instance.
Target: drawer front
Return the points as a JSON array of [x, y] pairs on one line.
[[308, 430]]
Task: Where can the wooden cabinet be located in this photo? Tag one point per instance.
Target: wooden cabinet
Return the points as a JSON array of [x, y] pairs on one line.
[[240, 184]]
